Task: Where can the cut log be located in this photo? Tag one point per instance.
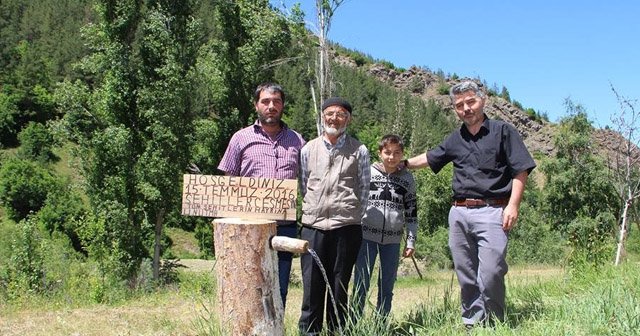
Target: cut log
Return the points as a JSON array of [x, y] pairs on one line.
[[247, 273], [287, 244]]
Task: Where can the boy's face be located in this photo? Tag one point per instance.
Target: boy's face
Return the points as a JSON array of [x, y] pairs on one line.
[[391, 155]]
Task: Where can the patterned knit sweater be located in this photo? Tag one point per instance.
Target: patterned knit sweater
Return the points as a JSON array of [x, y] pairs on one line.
[[391, 208]]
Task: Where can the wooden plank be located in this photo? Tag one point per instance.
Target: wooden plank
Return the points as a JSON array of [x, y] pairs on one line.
[[236, 196]]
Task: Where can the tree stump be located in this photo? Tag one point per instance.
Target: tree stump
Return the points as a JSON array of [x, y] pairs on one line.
[[247, 273]]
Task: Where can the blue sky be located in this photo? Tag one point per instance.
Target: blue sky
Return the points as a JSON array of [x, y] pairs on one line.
[[541, 51]]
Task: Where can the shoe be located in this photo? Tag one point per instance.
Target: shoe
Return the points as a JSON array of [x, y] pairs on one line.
[[469, 328]]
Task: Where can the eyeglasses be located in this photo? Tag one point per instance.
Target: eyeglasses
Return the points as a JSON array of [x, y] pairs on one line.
[[337, 114]]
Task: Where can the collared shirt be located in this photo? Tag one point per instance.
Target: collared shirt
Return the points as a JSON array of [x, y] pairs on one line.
[[484, 164], [252, 153], [364, 174]]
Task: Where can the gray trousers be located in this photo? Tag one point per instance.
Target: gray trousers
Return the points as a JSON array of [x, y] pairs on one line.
[[479, 248]]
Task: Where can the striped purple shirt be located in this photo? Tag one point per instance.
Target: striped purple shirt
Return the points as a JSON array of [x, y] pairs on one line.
[[252, 153]]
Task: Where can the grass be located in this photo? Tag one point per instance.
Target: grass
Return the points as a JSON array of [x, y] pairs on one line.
[[185, 245], [541, 301]]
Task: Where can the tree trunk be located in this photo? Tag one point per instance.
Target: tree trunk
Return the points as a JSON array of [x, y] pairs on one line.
[[246, 270], [157, 243], [623, 232]]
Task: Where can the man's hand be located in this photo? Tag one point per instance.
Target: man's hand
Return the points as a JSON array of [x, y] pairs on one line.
[[509, 217], [510, 212]]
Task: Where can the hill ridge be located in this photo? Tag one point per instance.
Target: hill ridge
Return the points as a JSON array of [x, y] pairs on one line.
[[538, 134]]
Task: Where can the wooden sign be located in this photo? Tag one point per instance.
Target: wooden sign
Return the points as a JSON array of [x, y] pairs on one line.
[[236, 196]]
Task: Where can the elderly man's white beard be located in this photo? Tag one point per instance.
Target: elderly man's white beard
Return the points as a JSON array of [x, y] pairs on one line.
[[334, 131]]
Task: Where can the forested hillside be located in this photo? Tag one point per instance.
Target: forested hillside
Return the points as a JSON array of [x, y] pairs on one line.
[[104, 105]]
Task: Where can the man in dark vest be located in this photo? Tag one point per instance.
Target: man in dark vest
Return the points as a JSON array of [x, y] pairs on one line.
[[334, 182]]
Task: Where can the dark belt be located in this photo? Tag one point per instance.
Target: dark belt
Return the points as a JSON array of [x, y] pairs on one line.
[[478, 202]]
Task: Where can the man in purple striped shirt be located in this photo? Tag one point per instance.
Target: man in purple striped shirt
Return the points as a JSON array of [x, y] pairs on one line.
[[268, 148]]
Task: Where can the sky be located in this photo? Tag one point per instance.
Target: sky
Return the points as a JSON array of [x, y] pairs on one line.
[[542, 51]]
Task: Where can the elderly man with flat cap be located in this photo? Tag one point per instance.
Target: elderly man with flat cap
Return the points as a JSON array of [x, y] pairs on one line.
[[334, 183]]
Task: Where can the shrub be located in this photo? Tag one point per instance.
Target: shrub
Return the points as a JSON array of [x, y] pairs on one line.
[[9, 115], [434, 199], [26, 263], [359, 59], [533, 241], [110, 241], [204, 235], [517, 104], [416, 85], [36, 143], [504, 93], [632, 244], [369, 136], [387, 64], [443, 88], [531, 113], [24, 187], [434, 249], [61, 212], [591, 240], [66, 271]]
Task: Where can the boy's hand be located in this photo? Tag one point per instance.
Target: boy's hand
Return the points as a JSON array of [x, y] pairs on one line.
[[408, 253]]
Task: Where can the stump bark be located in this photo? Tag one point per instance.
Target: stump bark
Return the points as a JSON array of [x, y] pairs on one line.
[[247, 274]]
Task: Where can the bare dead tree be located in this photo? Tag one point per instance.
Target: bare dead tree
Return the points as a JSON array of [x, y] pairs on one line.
[[626, 170], [322, 87], [324, 79]]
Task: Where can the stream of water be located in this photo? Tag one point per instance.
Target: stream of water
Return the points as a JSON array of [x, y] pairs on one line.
[[326, 280]]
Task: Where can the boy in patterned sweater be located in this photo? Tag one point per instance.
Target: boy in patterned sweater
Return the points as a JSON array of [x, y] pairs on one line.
[[391, 209]]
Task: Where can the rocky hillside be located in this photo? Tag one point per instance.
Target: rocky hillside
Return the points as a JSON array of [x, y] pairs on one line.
[[537, 134]]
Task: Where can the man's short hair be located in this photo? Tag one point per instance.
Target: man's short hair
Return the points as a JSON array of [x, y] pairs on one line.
[[269, 87], [463, 87]]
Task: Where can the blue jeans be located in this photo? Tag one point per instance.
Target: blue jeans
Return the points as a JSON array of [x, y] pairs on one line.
[[389, 260], [284, 260]]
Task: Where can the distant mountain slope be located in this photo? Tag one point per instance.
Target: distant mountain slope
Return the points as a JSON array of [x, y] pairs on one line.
[[537, 134]]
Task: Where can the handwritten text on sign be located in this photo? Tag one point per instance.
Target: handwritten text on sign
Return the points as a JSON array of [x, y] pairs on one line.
[[235, 196]]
